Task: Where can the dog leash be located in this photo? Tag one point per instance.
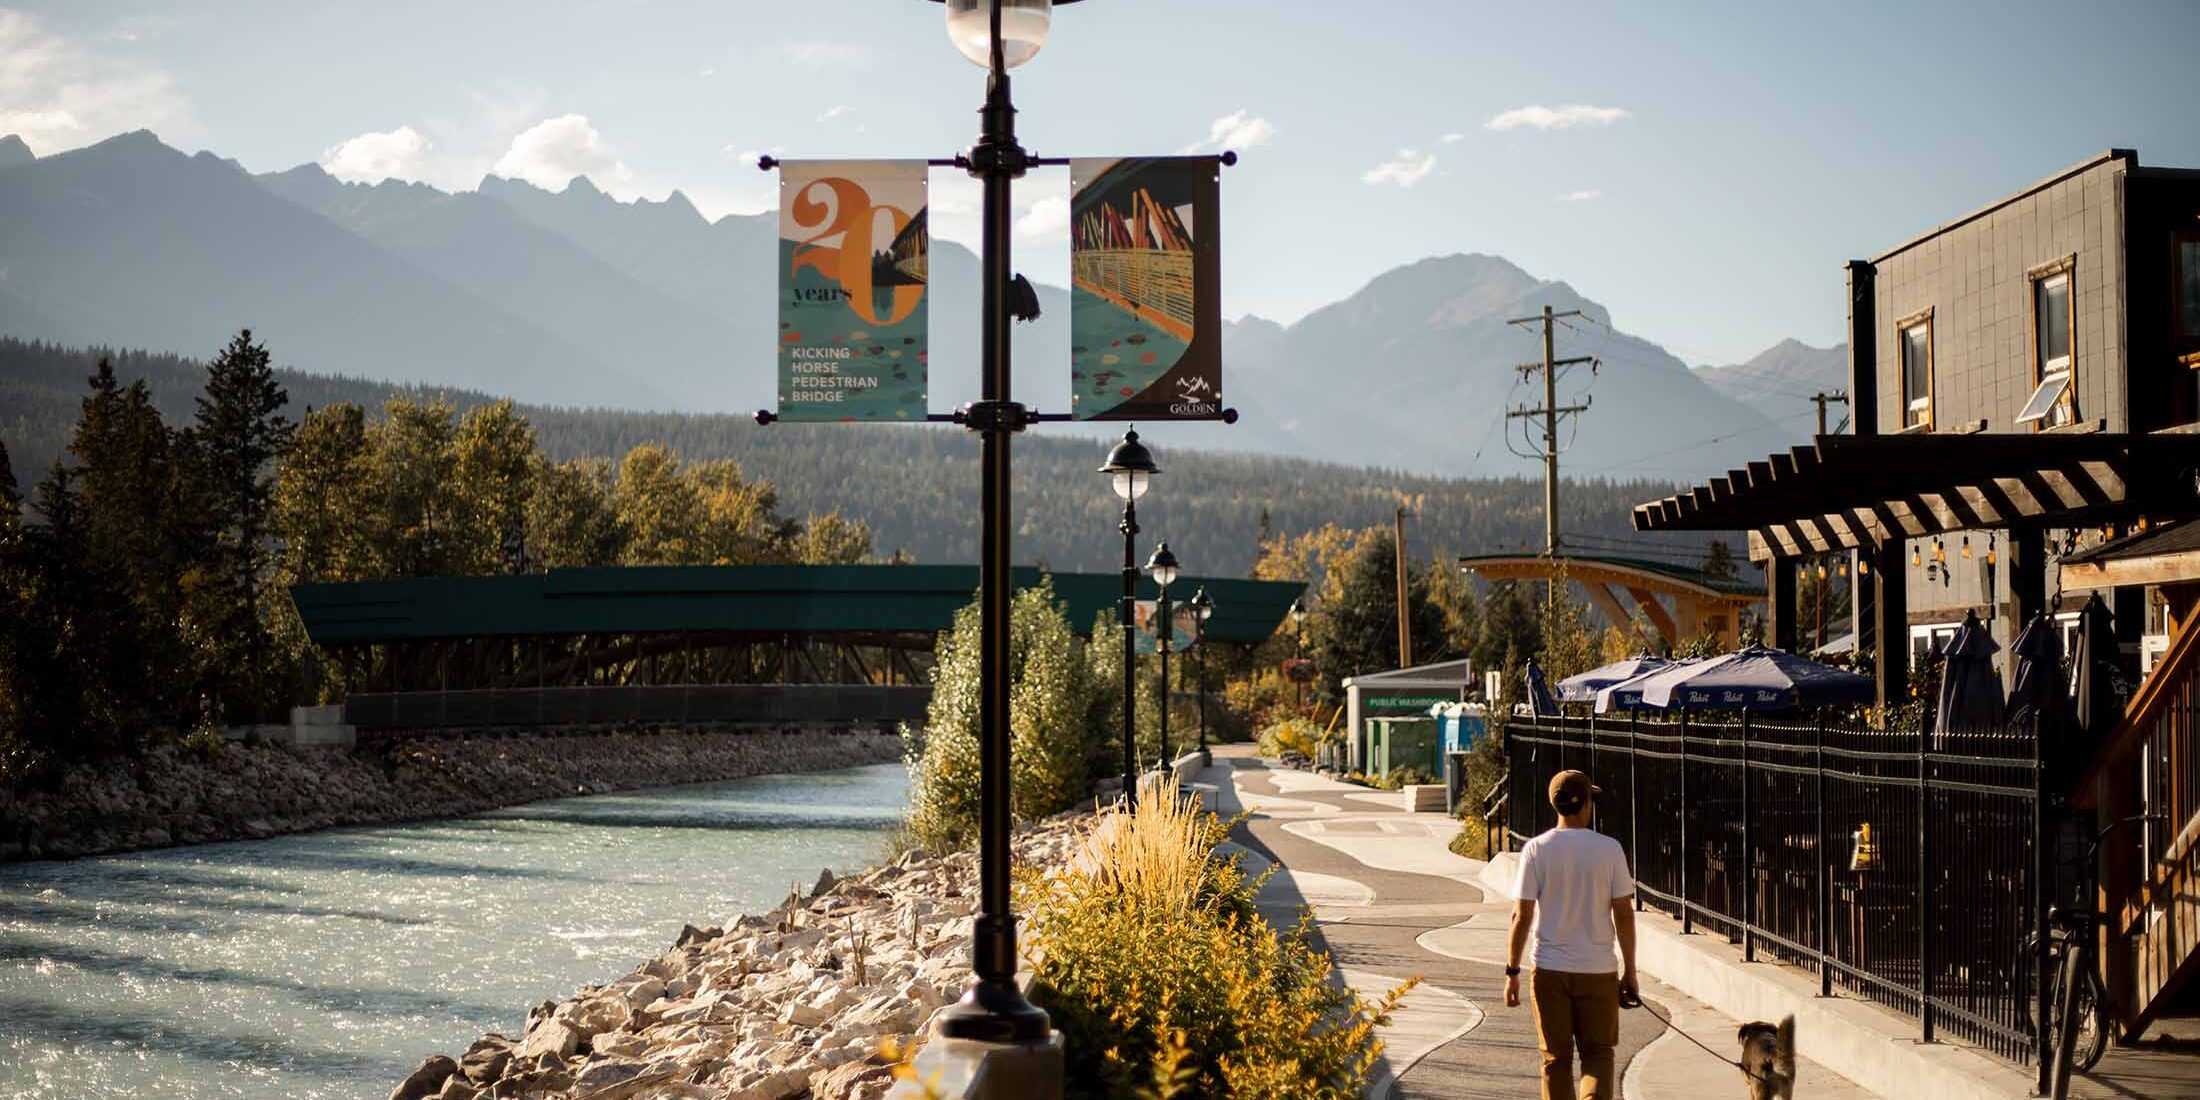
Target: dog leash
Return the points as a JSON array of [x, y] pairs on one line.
[[1669, 1026]]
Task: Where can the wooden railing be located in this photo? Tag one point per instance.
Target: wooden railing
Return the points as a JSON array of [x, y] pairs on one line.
[[2150, 887]]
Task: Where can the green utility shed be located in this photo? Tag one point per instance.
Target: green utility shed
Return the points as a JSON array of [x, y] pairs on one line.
[[1395, 743]]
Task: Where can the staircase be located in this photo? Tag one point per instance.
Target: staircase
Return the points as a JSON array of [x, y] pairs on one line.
[[2150, 882]]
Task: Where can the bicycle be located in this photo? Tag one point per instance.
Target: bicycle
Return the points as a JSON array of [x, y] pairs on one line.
[[2079, 1017]]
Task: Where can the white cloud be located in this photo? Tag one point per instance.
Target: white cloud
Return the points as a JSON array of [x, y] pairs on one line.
[[824, 53], [1453, 138], [1047, 217], [1236, 130], [1583, 195], [378, 155], [57, 95], [551, 152], [833, 112], [1555, 118], [1405, 169]]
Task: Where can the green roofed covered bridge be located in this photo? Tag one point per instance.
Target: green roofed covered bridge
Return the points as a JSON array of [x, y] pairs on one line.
[[780, 644]]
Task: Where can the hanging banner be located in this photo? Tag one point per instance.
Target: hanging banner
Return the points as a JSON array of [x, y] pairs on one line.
[[1146, 626], [1146, 277], [853, 248]]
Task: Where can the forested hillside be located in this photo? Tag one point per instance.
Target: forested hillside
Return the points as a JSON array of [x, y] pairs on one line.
[[917, 486]]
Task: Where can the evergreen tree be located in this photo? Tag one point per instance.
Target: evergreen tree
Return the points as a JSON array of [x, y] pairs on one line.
[[238, 433], [1356, 628], [1512, 628]]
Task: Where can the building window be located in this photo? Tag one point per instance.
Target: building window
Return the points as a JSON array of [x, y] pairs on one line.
[[2054, 349], [1917, 370], [2185, 249]]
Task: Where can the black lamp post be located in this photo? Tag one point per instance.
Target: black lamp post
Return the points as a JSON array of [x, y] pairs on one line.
[[1203, 608], [998, 35], [1163, 568], [1130, 469], [1298, 646]]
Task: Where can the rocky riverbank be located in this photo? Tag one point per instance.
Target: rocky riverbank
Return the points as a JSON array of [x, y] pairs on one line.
[[177, 795], [793, 1003]]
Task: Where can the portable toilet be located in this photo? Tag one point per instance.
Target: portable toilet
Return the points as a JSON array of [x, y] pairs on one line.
[[1459, 727]]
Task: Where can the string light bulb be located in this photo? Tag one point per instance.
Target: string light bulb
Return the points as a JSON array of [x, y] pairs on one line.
[[1989, 549], [1821, 570], [1940, 551], [1966, 547], [1863, 566], [1917, 556]]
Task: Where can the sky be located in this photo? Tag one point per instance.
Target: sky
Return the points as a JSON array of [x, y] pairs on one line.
[[1701, 169]]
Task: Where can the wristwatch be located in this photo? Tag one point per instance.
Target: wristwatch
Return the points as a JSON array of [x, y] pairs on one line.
[[1512, 971]]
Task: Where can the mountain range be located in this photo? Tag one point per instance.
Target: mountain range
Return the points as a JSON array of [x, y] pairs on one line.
[[572, 298], [1778, 383]]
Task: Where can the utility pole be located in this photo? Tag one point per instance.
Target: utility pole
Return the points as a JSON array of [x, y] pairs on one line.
[[1549, 413], [1405, 622], [1822, 399]]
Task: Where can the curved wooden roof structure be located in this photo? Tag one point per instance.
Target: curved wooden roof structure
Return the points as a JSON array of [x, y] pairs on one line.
[[1700, 603]]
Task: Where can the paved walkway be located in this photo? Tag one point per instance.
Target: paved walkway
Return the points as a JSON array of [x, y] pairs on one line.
[[1390, 900]]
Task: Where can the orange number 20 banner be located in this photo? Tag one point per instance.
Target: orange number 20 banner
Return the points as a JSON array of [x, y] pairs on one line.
[[853, 254]]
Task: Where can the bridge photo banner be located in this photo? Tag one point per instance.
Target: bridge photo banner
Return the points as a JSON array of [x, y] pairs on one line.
[[1146, 282], [853, 252]]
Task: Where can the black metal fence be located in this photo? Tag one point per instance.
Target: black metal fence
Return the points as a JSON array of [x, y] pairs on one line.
[[1751, 829]]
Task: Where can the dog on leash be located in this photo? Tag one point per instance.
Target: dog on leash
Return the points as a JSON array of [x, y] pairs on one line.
[[1768, 1059]]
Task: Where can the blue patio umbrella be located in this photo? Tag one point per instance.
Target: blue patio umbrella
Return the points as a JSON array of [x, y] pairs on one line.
[[1970, 692], [1756, 678], [1627, 694], [1582, 687], [1539, 692]]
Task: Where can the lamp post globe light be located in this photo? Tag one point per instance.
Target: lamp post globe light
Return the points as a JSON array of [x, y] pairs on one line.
[[1162, 567], [1130, 469], [998, 35], [1203, 609]]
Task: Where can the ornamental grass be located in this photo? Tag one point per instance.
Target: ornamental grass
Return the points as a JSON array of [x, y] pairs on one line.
[[1151, 957]]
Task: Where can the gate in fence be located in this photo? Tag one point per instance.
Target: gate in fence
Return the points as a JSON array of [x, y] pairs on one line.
[[1750, 828]]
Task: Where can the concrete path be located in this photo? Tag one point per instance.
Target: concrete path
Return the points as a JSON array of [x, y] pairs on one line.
[[1390, 900]]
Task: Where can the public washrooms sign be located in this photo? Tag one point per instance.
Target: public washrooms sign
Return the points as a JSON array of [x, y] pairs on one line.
[[1145, 298], [853, 257], [1372, 704]]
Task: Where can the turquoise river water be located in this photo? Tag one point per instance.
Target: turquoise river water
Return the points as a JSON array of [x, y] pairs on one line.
[[328, 965]]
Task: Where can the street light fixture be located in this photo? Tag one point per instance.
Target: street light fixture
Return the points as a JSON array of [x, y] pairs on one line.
[[999, 35], [1130, 469], [1298, 646], [1162, 567], [1203, 608]]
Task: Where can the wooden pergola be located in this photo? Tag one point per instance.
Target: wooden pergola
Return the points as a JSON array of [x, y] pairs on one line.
[[1701, 603], [1871, 493]]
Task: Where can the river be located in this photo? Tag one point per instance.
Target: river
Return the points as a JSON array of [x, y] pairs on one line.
[[327, 965]]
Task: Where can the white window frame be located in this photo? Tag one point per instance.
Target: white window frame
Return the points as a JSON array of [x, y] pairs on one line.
[[1917, 411], [2054, 399]]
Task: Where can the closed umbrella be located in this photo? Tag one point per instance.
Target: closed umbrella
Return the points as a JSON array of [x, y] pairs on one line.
[[1970, 694], [1756, 678], [1540, 702], [1583, 687], [2039, 696], [2100, 696]]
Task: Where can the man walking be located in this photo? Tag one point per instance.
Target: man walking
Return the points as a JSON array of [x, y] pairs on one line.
[[1577, 895]]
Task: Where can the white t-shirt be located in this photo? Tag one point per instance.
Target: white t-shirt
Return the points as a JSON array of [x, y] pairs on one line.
[[1573, 876]]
